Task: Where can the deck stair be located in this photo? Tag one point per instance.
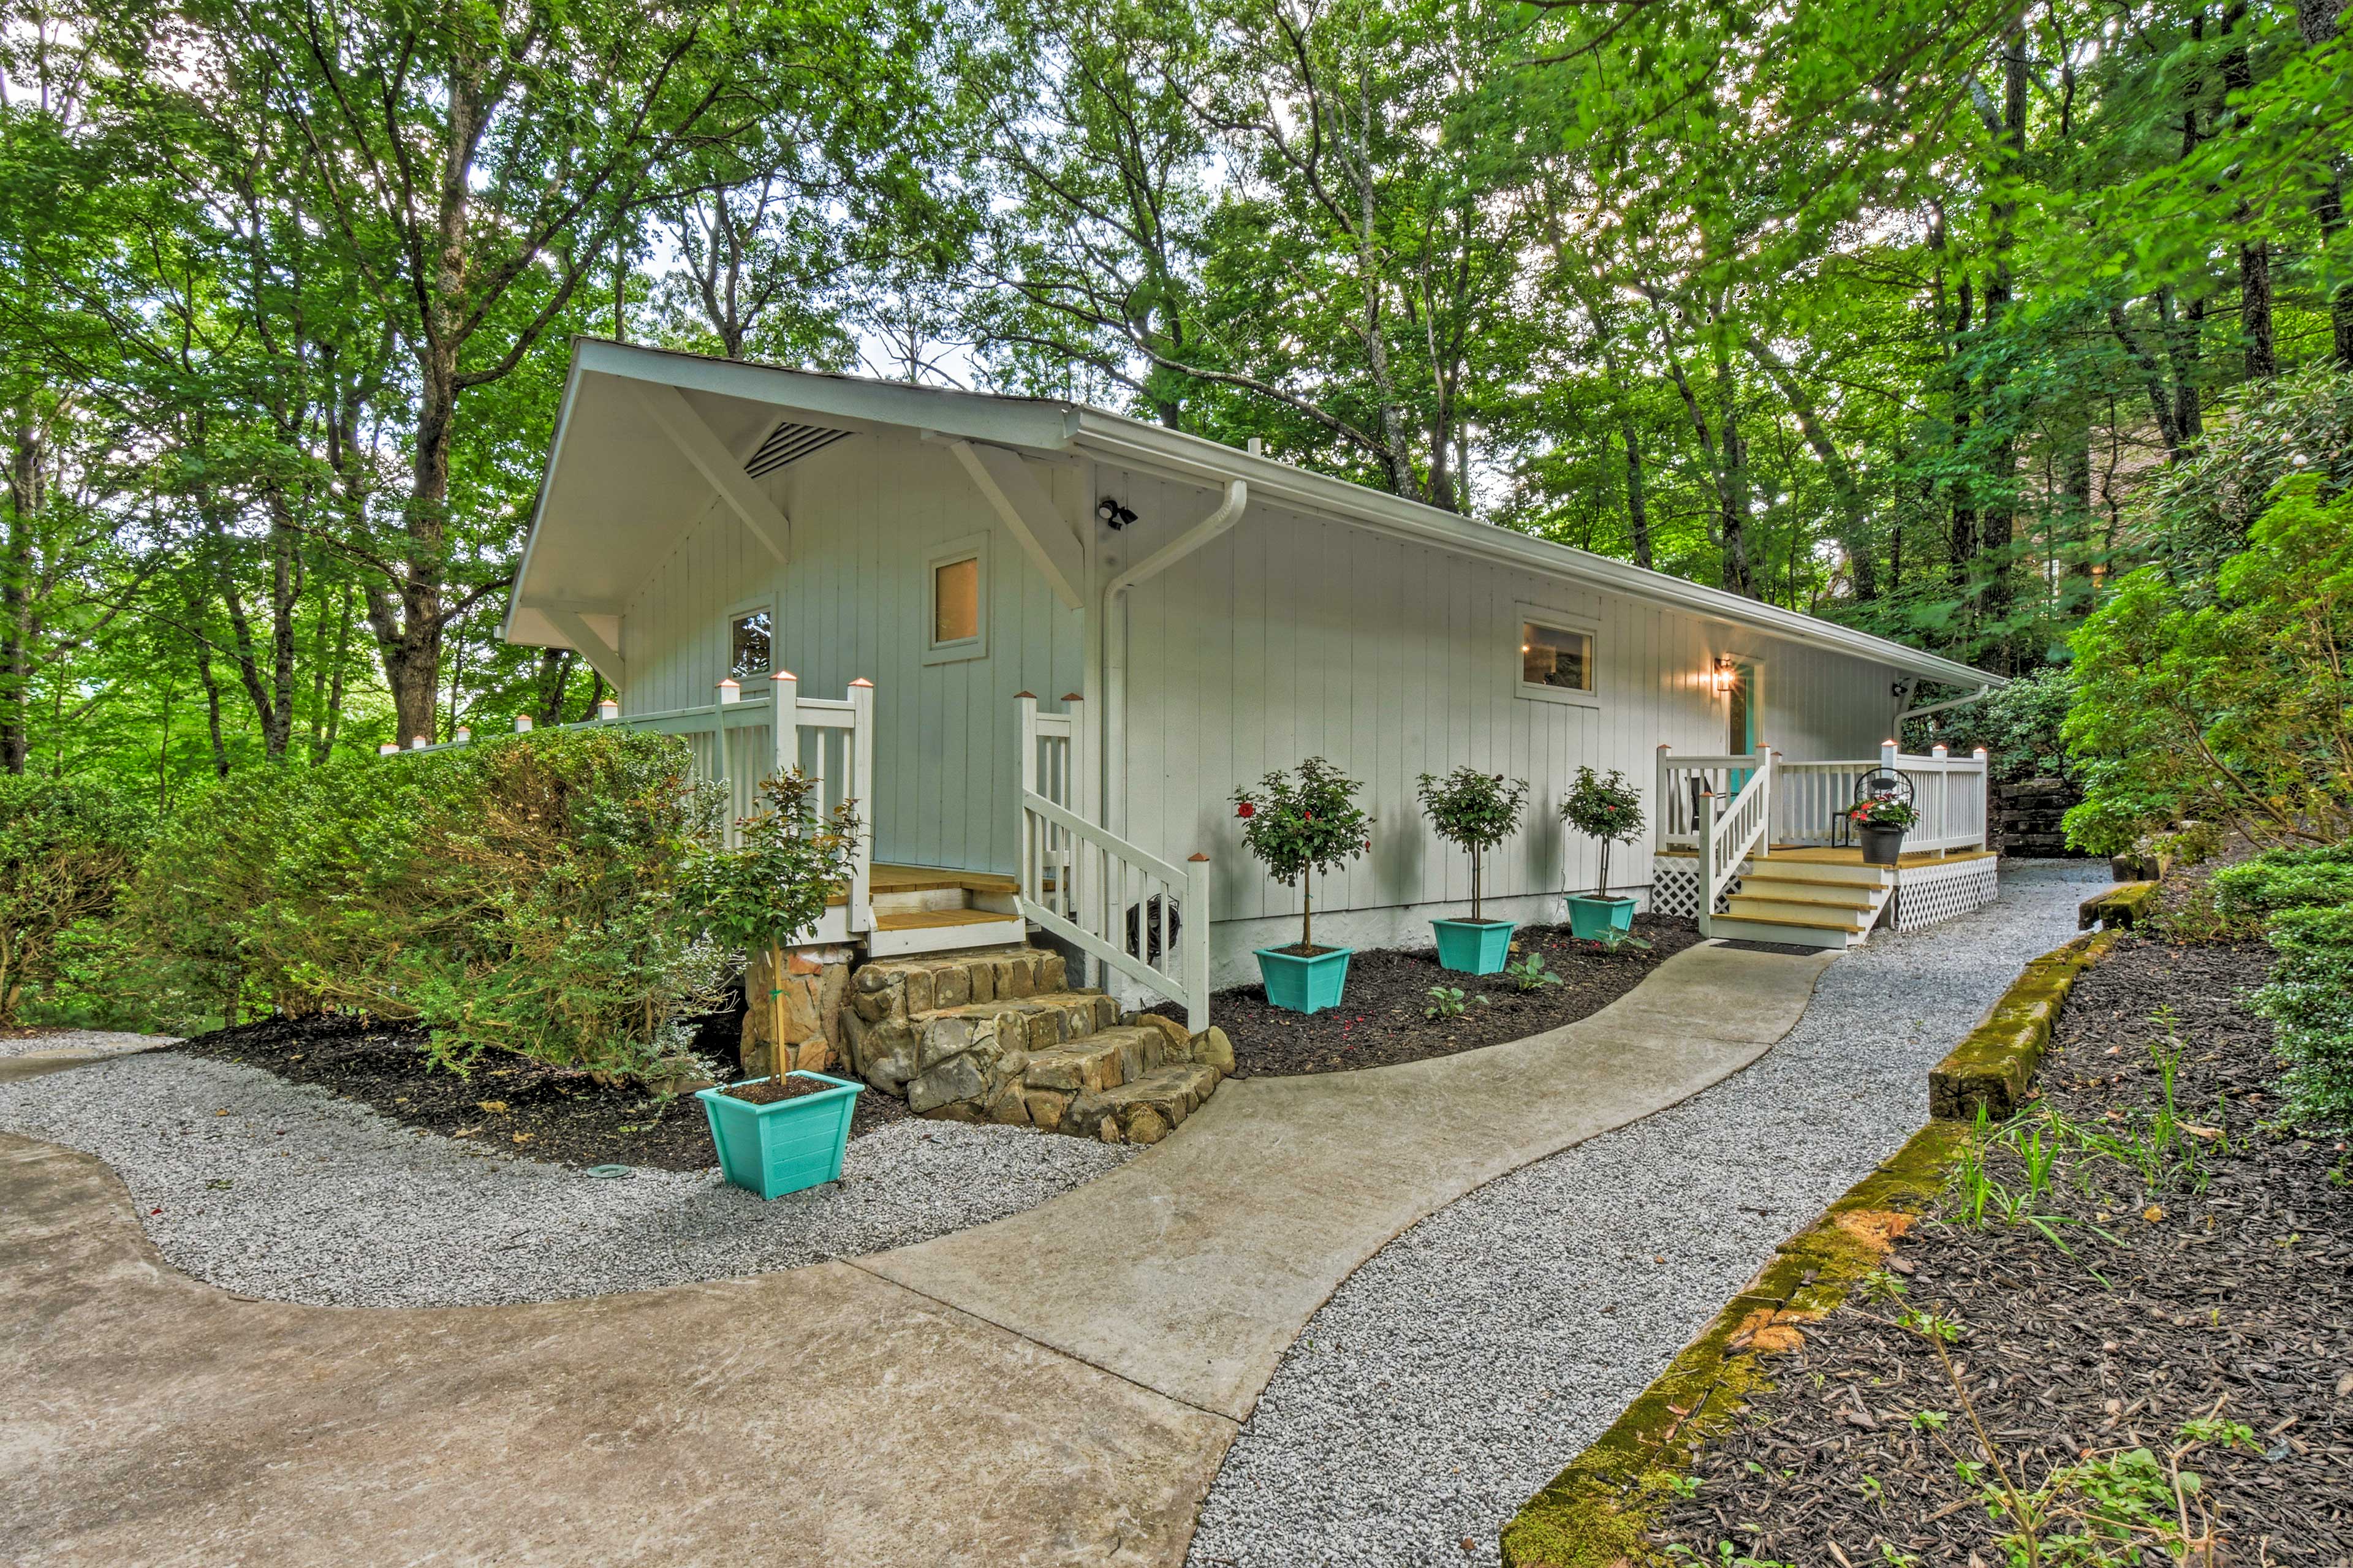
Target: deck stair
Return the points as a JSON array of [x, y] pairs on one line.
[[921, 908], [998, 1035], [1806, 902]]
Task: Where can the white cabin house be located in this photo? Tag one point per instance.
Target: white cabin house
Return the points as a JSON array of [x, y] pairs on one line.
[[895, 569]]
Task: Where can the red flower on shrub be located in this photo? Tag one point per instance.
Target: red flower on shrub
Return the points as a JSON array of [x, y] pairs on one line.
[[1246, 809]]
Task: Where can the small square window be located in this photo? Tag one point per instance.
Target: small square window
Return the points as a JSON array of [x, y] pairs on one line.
[[955, 601], [750, 646], [1556, 658]]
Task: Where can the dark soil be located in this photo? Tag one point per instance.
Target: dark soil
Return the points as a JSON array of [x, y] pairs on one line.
[[769, 1091], [517, 1106], [1383, 1016], [2233, 1296]]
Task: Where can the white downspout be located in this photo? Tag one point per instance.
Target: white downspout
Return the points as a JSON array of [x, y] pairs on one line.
[[1114, 602]]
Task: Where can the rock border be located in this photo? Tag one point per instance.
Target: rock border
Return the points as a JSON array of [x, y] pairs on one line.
[[2118, 908], [1601, 1511]]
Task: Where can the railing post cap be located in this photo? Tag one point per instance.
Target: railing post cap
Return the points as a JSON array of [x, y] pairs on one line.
[[861, 680], [782, 675], [1073, 697], [727, 680], [417, 742], [1025, 697], [1982, 752], [387, 750], [522, 722], [1196, 856]]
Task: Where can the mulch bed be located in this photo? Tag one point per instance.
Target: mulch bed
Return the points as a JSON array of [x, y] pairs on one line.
[[2236, 1298], [515, 1106], [1383, 1020]]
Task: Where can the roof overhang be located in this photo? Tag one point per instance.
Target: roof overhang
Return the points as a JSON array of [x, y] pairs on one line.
[[617, 492]]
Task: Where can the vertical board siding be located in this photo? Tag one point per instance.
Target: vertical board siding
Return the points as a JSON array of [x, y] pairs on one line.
[[854, 602], [1295, 635]]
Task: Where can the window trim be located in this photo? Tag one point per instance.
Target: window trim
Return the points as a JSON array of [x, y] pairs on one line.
[[972, 547], [1558, 621], [727, 619]]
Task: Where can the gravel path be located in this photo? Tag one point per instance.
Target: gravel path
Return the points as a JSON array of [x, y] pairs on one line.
[[1472, 1357], [93, 1042], [283, 1191]]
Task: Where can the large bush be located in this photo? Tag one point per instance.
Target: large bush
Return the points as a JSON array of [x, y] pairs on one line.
[[2233, 712], [522, 894], [66, 850], [2020, 727]]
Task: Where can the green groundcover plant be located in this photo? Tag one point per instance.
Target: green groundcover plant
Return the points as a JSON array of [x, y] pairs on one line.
[[1301, 824], [1474, 812], [528, 894], [2307, 896], [66, 850]]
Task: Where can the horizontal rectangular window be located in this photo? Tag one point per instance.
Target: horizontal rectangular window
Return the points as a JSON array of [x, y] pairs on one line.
[[1555, 658]]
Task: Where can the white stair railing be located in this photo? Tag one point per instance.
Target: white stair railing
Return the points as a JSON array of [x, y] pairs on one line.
[[1114, 901], [1729, 838]]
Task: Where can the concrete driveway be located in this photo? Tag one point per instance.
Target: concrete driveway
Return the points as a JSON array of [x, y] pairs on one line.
[[1058, 1387]]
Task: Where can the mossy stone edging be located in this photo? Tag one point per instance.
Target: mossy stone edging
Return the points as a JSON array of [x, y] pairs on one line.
[[2117, 909], [1995, 1061], [1601, 1512]]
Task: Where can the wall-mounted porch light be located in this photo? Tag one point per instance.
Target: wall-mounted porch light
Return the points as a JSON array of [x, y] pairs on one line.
[[1725, 675]]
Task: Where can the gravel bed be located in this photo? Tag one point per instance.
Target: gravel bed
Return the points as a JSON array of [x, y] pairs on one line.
[[93, 1042], [283, 1191], [1472, 1357]]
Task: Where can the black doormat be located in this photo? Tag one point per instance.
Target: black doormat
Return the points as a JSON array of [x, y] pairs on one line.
[[1741, 945]]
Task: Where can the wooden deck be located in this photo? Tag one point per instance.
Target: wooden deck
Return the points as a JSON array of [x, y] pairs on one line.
[[932, 879], [1822, 855]]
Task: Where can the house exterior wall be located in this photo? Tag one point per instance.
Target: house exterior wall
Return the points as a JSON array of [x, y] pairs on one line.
[[1290, 635], [1293, 636], [853, 602]]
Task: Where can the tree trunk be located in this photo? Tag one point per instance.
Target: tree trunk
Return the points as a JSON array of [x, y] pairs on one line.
[[1638, 515], [16, 573]]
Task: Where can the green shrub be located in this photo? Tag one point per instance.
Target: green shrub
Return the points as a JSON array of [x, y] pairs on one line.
[[1473, 811], [66, 850], [2309, 999], [2287, 880], [1303, 823], [522, 894], [2020, 727]]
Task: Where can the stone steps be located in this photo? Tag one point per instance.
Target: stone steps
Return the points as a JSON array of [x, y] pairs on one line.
[[997, 1035]]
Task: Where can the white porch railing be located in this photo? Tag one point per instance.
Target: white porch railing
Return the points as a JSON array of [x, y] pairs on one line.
[[1117, 903], [1728, 838], [1809, 801], [735, 741]]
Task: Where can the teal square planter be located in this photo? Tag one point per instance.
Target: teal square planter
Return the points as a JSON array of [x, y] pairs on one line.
[[1303, 985], [1474, 947], [1592, 919], [783, 1148]]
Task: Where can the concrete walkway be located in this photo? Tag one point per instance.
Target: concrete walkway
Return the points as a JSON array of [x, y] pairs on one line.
[[1055, 1387]]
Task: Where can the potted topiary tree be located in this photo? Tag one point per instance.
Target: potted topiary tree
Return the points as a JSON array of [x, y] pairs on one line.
[[1476, 812], [1610, 811], [1299, 824], [789, 1131], [1880, 822]]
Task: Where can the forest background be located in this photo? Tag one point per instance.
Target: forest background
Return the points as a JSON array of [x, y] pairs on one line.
[[1936, 319]]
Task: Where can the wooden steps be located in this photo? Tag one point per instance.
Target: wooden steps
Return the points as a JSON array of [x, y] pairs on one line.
[[1809, 901], [932, 909]]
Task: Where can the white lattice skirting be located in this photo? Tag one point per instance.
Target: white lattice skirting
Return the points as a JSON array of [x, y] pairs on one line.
[[1926, 895], [1674, 887]]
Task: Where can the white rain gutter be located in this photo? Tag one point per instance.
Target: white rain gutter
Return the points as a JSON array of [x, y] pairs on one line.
[[1114, 620], [1978, 695]]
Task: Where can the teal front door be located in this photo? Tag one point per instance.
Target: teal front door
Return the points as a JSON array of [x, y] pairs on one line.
[[1740, 719]]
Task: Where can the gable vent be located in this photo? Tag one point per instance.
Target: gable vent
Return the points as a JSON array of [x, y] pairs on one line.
[[789, 443]]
